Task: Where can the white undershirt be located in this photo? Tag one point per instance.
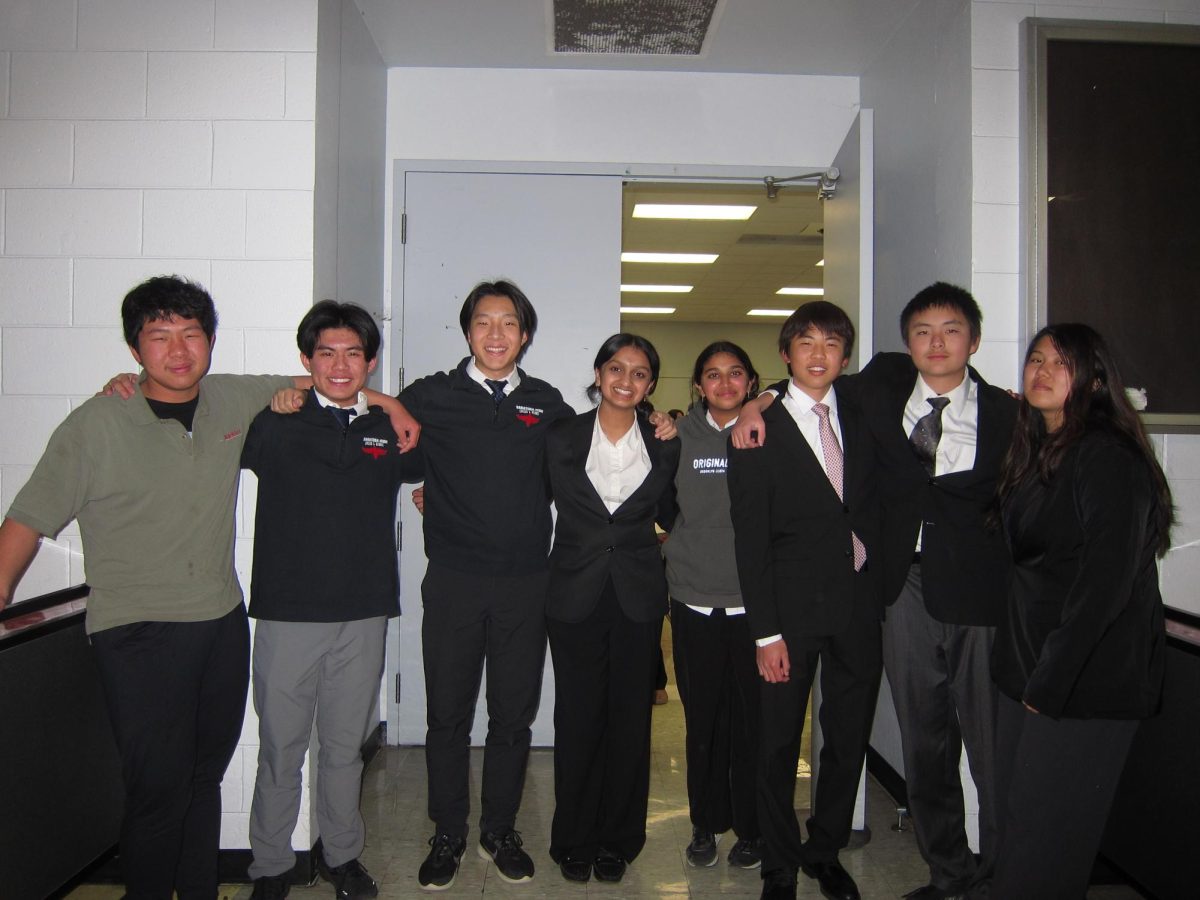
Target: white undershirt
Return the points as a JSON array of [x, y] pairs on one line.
[[357, 409], [513, 378], [617, 470]]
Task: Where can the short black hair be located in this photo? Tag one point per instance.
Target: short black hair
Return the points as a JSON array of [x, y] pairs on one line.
[[331, 314], [526, 314], [617, 342], [942, 293], [165, 297], [828, 318]]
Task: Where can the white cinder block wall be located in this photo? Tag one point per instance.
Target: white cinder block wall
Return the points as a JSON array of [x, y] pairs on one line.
[[995, 229], [140, 137]]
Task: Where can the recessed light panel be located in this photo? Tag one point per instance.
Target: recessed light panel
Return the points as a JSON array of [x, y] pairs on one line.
[[648, 310], [692, 258], [692, 211], [770, 312], [656, 288], [803, 291]]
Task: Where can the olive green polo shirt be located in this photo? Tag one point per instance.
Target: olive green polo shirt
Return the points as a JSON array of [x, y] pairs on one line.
[[155, 504]]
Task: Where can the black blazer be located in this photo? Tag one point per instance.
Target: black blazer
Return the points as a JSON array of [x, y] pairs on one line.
[[792, 533], [1082, 634], [590, 544], [964, 562]]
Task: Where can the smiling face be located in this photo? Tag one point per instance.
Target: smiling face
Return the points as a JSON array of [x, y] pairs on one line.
[[495, 337], [176, 354], [724, 383], [625, 380], [1047, 382], [940, 344], [339, 365], [815, 360]]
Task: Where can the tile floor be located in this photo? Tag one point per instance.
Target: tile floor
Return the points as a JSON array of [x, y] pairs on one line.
[[394, 807]]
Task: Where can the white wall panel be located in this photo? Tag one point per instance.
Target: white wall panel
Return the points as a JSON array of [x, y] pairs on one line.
[[78, 85], [279, 224], [274, 351], [99, 285], [35, 291], [4, 67], [35, 154], [994, 103], [1127, 12], [143, 154], [994, 162], [995, 39], [262, 294], [999, 296], [37, 25], [39, 416], [72, 361], [266, 24], [263, 154], [300, 72], [195, 223], [215, 86], [145, 24], [66, 222], [996, 237]]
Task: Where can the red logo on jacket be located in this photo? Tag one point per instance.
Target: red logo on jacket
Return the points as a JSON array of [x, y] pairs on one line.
[[530, 415], [374, 447]]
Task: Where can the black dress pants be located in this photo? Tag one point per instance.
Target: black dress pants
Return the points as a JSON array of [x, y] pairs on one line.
[[718, 681], [468, 620], [176, 695], [851, 663], [604, 672], [1057, 778]]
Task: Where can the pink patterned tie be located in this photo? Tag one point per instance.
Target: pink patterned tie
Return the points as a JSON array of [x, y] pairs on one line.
[[833, 468]]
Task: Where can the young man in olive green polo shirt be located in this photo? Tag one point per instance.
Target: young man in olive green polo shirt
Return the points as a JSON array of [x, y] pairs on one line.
[[152, 482]]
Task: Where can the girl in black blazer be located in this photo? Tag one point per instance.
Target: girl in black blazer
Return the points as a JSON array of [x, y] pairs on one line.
[[1078, 655], [611, 481]]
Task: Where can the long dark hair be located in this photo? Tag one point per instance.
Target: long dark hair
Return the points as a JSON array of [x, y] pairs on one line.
[[1096, 401], [609, 349], [733, 350]]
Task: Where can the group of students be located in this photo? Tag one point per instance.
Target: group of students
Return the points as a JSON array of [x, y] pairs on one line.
[[886, 523]]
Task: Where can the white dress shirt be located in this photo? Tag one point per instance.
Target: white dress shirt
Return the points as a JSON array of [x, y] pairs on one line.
[[616, 470], [960, 427], [513, 378]]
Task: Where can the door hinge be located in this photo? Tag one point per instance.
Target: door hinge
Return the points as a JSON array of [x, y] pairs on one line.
[[396, 699], [399, 536], [404, 228]]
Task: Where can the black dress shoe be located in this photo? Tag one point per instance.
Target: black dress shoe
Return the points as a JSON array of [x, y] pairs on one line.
[[607, 866], [929, 892], [779, 884], [835, 882], [575, 869]]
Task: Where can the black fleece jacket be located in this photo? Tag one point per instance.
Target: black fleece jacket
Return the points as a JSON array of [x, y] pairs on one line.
[[324, 534]]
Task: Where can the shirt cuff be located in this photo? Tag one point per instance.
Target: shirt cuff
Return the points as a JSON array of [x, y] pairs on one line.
[[767, 641]]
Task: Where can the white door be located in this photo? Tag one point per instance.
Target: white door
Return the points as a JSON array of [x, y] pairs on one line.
[[558, 237], [849, 282]]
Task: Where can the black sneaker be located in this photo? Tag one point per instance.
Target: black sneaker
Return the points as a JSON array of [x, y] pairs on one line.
[[504, 849], [270, 887], [351, 881], [702, 851], [441, 865], [747, 854]]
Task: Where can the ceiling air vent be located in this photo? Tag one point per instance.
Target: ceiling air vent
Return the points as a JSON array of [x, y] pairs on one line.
[[641, 27], [779, 240]]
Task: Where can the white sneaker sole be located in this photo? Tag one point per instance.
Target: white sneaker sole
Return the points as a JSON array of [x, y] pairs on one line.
[[487, 857]]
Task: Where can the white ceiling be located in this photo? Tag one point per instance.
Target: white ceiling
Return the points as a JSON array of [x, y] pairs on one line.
[[812, 37]]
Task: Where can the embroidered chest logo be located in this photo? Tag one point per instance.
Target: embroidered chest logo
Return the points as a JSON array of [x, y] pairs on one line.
[[231, 435], [530, 415], [374, 447]]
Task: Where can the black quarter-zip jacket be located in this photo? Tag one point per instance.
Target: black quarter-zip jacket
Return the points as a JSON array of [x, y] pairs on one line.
[[324, 545], [487, 501]]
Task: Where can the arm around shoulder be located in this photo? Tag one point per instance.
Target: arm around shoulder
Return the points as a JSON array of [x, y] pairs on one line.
[[18, 546]]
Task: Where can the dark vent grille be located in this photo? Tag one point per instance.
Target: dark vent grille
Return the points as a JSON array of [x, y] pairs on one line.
[[795, 240], [655, 27]]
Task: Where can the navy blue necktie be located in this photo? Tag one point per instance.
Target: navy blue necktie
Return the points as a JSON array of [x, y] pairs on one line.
[[342, 415], [497, 389]]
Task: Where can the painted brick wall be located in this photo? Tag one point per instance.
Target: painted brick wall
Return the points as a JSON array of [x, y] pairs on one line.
[[140, 137]]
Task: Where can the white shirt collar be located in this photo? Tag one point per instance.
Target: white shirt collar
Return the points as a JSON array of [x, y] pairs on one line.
[[713, 422], [805, 403], [958, 396], [357, 409], [513, 378]]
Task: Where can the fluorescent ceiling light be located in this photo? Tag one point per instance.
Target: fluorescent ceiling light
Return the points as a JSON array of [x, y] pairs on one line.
[[691, 211], [820, 262], [656, 288], [648, 310], [668, 257], [770, 312], [803, 292]]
